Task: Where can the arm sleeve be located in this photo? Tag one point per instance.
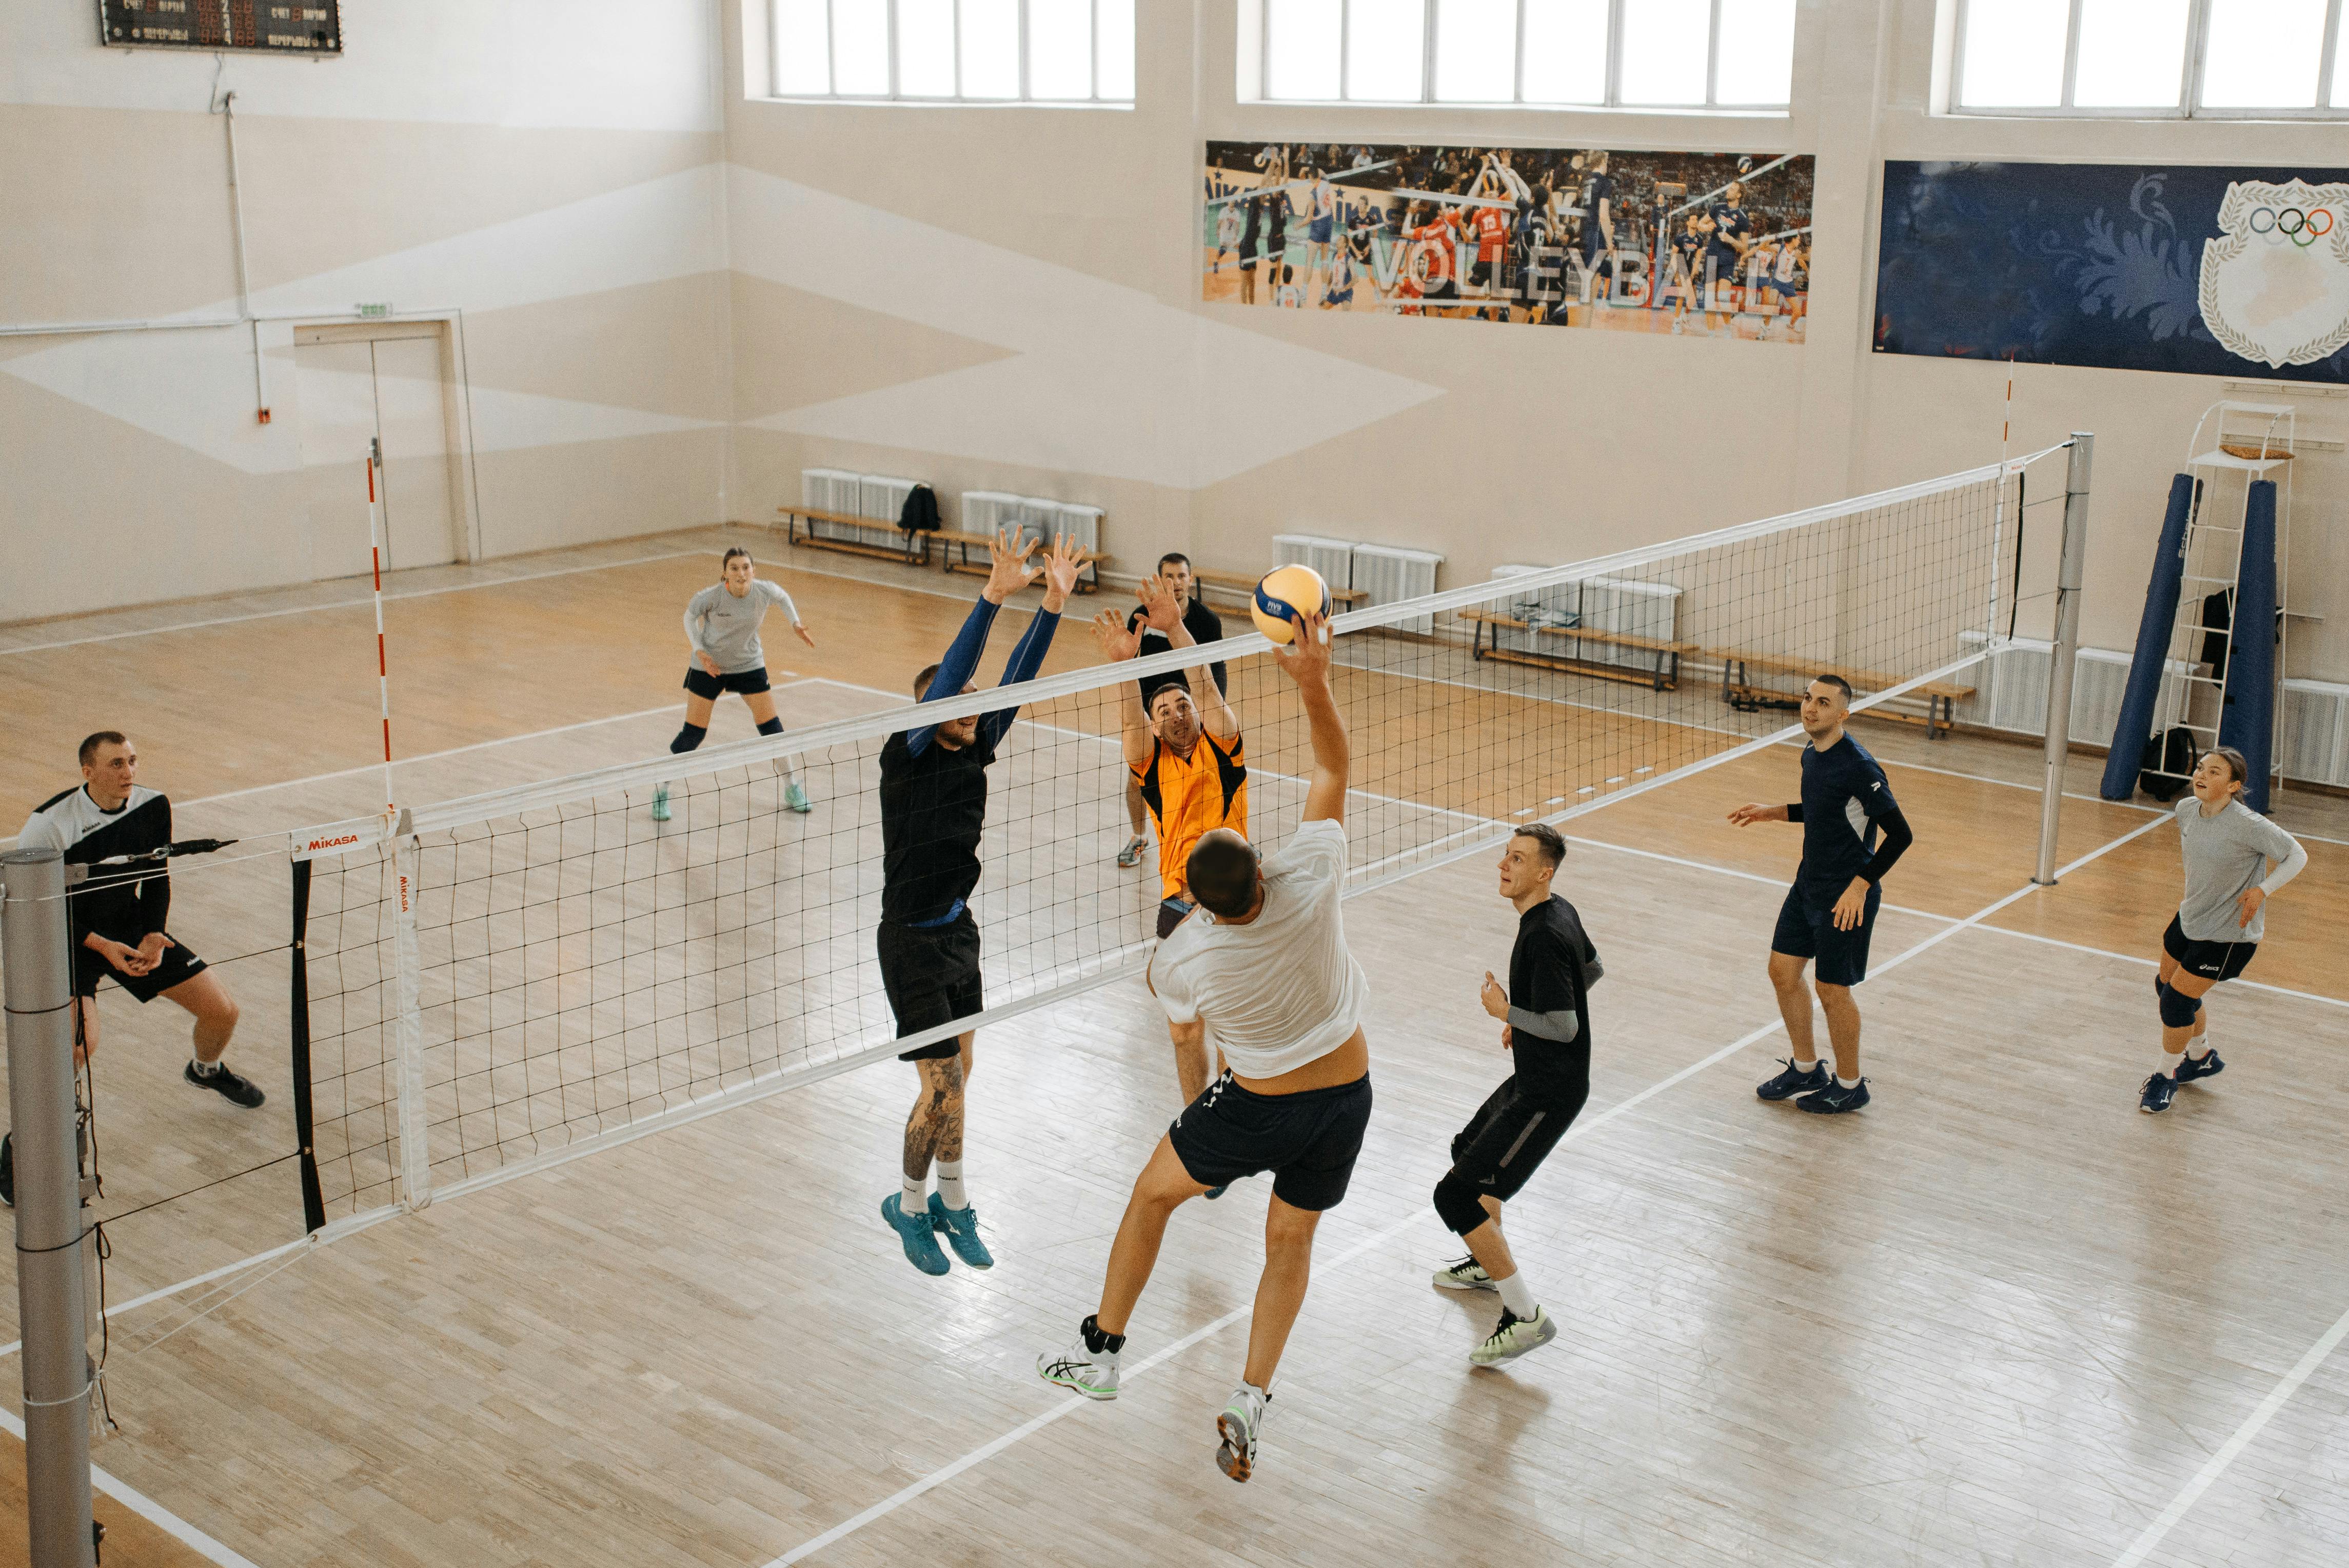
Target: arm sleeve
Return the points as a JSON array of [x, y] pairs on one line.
[[782, 598], [2290, 857], [694, 617], [1891, 847], [1593, 971], [1795, 811], [39, 835], [955, 670], [1026, 660]]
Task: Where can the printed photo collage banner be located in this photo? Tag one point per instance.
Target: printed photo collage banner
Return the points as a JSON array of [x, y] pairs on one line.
[[2196, 271], [1688, 244]]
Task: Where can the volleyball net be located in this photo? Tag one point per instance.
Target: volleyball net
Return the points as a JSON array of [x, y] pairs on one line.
[[487, 984]]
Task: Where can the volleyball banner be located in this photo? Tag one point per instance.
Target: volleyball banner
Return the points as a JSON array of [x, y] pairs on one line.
[[2194, 270], [1704, 244]]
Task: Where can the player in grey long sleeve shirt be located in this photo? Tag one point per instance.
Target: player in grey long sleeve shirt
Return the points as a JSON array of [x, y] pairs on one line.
[[2226, 847], [721, 624]]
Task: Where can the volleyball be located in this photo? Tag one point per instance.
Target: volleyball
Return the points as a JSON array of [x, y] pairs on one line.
[[1284, 595]]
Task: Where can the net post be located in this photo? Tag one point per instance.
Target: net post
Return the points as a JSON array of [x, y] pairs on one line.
[[407, 1037], [35, 946], [2068, 575]]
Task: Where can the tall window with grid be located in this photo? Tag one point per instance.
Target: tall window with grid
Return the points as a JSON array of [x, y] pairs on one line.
[[954, 51], [2232, 59]]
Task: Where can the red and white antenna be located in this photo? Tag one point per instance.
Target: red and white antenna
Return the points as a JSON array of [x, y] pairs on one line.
[[382, 662]]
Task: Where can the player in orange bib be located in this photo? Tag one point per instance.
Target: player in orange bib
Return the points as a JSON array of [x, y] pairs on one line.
[[1193, 770]]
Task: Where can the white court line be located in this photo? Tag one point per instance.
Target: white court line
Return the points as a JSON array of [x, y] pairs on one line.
[[1732, 871], [344, 604], [1074, 1402], [2217, 1464], [206, 1278], [2151, 963], [148, 1509]]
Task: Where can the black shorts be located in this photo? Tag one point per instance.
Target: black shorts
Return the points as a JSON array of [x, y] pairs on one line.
[[1307, 1139], [1517, 1126], [1444, 289], [702, 684], [1481, 271], [931, 975], [1806, 929], [176, 965], [1171, 912], [2213, 960]]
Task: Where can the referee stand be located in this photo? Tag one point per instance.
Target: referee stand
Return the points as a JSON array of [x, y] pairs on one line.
[[36, 947]]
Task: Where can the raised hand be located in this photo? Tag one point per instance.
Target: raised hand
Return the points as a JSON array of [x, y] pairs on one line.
[[1158, 603], [1110, 635], [1010, 572], [1061, 568], [1305, 658]]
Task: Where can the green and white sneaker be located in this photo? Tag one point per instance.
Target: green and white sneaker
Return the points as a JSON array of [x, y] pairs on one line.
[[796, 798], [1466, 1275], [660, 803], [1237, 1424], [1094, 1375], [1514, 1336]]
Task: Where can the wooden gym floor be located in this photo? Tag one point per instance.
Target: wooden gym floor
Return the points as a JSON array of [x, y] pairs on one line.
[[1998, 1316]]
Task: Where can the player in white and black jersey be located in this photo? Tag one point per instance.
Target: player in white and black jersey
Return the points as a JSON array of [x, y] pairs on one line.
[[118, 915]]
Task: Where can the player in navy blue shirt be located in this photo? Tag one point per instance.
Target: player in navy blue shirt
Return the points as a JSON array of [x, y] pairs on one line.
[[1852, 833]]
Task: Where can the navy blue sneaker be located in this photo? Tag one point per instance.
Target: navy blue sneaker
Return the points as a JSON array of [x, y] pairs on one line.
[[2160, 1090], [2208, 1067], [960, 1228], [922, 1249], [1795, 1080], [1835, 1099]]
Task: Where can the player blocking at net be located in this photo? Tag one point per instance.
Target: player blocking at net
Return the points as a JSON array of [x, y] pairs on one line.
[[1262, 963], [721, 626], [1545, 1014], [932, 812], [1830, 911]]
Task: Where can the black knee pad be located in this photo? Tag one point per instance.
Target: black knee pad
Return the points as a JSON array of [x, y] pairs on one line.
[[1457, 1204], [2178, 1010], [772, 727], [688, 737]]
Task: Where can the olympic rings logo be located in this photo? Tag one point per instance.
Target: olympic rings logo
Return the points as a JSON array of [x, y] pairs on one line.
[[2301, 228]]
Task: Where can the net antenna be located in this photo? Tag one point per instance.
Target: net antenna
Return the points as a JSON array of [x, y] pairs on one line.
[[382, 658], [502, 982]]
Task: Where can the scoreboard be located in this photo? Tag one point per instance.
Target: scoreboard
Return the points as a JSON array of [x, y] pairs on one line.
[[263, 26]]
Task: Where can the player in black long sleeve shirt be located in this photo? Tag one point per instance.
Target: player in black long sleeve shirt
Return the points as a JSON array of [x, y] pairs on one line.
[[117, 915], [932, 812], [1545, 1024]]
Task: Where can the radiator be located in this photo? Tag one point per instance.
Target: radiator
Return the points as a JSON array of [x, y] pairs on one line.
[[1631, 609], [2312, 744], [1041, 520], [831, 490], [989, 511], [1559, 604], [1388, 575], [1333, 558], [2011, 688]]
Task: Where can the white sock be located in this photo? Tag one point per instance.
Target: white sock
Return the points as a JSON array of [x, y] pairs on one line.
[[917, 1194], [203, 1068], [1517, 1296], [1847, 1083], [2169, 1063], [2200, 1045], [950, 1184], [1807, 1066]]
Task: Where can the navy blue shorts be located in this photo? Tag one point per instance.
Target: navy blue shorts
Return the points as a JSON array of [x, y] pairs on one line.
[[1307, 1139], [701, 683], [1806, 929], [2213, 960]]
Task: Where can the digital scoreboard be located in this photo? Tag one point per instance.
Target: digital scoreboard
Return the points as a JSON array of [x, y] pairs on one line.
[[263, 26]]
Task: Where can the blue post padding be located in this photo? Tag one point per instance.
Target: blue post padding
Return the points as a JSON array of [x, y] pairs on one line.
[[2136, 725], [2248, 723]]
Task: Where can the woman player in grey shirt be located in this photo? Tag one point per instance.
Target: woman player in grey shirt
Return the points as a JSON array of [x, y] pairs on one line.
[[721, 624], [2226, 847]]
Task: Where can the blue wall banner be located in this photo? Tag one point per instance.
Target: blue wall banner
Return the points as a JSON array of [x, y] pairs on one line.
[[2192, 270]]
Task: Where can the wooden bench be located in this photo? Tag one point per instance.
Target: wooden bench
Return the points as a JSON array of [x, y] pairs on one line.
[[1244, 588], [1941, 698], [915, 551], [1665, 676], [958, 559]]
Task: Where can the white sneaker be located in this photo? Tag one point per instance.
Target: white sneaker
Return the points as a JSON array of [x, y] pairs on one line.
[[1237, 1423], [1466, 1275], [1095, 1377], [1513, 1336]]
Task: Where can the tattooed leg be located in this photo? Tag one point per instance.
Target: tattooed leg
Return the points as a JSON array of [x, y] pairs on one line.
[[934, 1127]]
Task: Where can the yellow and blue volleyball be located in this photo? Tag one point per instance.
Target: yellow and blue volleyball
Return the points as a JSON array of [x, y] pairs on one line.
[[1283, 595]]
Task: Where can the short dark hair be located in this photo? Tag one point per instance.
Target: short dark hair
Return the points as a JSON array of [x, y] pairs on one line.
[[90, 743], [1552, 842], [1174, 682], [1172, 556], [1838, 682], [1222, 874], [727, 558], [922, 682]]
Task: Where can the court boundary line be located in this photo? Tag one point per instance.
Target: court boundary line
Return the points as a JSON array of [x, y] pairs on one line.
[[1073, 1402], [148, 1509], [2241, 1438]]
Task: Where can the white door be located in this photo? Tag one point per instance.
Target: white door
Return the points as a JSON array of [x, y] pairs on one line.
[[354, 390]]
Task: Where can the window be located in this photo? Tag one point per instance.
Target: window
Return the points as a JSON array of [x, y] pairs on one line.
[[2263, 59], [954, 51], [1623, 54]]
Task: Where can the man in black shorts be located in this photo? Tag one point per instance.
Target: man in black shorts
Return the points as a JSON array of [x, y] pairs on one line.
[[118, 916], [1546, 1025], [933, 809], [1206, 626], [1262, 963], [1830, 911]]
